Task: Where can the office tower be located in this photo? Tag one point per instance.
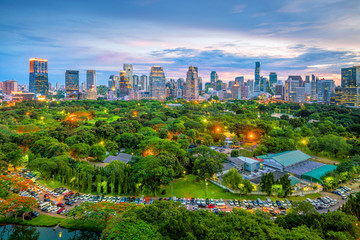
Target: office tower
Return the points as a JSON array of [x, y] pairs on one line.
[[191, 85], [219, 85], [348, 94], [231, 84], [124, 84], [264, 84], [299, 94], [170, 87], [144, 83], [157, 83], [72, 84], [350, 77], [137, 84], [9, 86], [272, 78], [307, 79], [291, 85], [213, 78], [240, 80], [257, 76], [128, 68], [38, 79], [200, 85], [326, 91], [83, 86], [209, 87], [57, 86], [313, 88], [250, 84], [114, 82], [90, 79], [50, 87], [280, 91], [236, 91], [180, 88]]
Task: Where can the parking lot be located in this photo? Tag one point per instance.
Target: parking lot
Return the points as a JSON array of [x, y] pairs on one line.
[[58, 202]]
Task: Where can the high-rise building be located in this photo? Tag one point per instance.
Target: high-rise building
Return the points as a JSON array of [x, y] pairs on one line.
[[208, 87], [124, 85], [326, 91], [128, 68], [157, 83], [90, 79], [313, 88], [350, 77], [170, 87], [38, 79], [72, 84], [144, 83], [272, 78], [57, 86], [213, 78], [292, 94], [200, 85], [240, 80], [264, 84], [114, 82], [219, 85], [191, 85], [236, 91], [307, 79], [137, 84], [180, 88], [257, 75], [10, 86]]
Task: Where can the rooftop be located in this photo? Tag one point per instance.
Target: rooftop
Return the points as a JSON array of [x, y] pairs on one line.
[[123, 157], [287, 158], [248, 160]]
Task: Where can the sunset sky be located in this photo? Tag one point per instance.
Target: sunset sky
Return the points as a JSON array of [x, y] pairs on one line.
[[288, 37]]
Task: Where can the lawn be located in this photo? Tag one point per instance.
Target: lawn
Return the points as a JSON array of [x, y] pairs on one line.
[[52, 183], [189, 187]]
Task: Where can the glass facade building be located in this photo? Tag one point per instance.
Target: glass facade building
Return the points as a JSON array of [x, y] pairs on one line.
[[157, 83], [350, 77], [38, 76], [257, 75], [192, 88], [72, 83], [90, 79], [124, 85]]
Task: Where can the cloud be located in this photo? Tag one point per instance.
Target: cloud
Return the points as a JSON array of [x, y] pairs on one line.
[[238, 8]]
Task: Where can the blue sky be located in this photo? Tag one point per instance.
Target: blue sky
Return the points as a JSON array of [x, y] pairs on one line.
[[289, 37]]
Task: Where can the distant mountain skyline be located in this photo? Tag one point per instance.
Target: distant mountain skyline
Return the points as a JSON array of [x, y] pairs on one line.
[[288, 37]]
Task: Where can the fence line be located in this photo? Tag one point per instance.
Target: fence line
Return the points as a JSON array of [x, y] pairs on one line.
[[295, 193]]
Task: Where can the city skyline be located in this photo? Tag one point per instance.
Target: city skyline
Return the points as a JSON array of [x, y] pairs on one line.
[[290, 38]]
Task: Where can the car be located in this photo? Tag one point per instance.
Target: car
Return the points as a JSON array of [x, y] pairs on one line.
[[188, 201], [137, 200], [211, 206], [150, 201], [60, 210], [212, 201], [207, 201], [231, 203], [60, 205], [69, 203]]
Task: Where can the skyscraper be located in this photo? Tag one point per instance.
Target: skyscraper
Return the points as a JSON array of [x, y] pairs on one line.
[[213, 78], [240, 80], [200, 85], [272, 79], [257, 76], [192, 89], [90, 79], [38, 79], [124, 84], [72, 83], [180, 88], [144, 83], [137, 84], [350, 77], [128, 68], [157, 83], [313, 88]]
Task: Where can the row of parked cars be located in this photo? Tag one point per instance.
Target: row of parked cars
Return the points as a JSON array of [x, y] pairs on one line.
[[28, 174], [323, 202], [50, 207], [344, 192]]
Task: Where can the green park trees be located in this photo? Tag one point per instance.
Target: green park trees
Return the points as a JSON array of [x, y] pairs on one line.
[[233, 179]]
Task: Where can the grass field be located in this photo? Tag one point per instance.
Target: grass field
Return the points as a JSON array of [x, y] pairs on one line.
[[189, 187]]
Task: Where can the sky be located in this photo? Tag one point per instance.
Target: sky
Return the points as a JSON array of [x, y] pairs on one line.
[[296, 37]]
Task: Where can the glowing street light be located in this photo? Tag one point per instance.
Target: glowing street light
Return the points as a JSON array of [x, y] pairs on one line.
[[218, 129]]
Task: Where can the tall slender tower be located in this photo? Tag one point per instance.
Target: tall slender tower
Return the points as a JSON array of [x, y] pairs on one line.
[[128, 68], [144, 83], [72, 83], [257, 76], [157, 83], [38, 76], [192, 88], [90, 79], [124, 84], [213, 78]]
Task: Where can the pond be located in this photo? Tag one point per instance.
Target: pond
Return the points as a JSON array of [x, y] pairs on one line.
[[17, 232]]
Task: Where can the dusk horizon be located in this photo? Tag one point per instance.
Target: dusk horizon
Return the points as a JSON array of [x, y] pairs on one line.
[[297, 38]]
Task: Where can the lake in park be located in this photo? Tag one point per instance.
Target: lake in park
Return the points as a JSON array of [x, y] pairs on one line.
[[17, 232]]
